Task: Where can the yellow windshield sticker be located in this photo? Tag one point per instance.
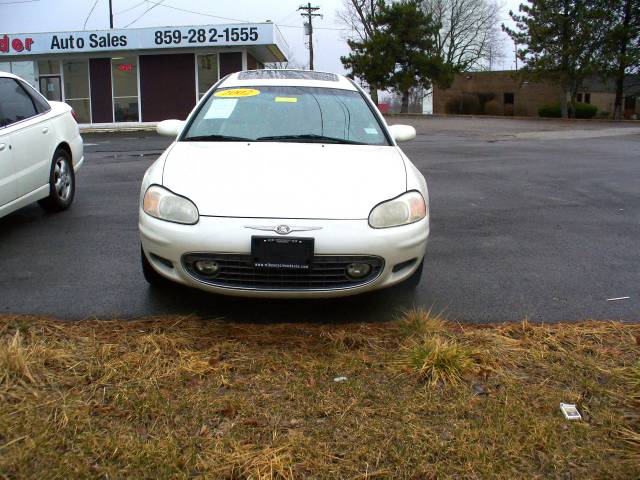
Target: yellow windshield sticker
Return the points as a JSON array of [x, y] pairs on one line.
[[237, 92], [286, 99]]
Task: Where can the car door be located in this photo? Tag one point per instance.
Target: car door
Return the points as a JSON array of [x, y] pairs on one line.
[[8, 187], [32, 137]]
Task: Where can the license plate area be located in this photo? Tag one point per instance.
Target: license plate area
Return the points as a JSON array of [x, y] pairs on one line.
[[277, 253]]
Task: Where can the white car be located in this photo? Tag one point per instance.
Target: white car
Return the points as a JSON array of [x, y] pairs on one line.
[[40, 148], [284, 184]]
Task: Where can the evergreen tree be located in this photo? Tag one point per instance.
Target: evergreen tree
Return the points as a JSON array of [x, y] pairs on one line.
[[563, 40], [400, 54]]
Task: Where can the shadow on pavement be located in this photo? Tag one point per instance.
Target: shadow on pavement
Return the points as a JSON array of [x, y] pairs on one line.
[[377, 306]]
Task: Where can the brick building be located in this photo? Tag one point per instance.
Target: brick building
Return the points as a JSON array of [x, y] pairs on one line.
[[503, 93]]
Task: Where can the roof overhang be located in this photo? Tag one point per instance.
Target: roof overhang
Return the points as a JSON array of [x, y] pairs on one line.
[[263, 40]]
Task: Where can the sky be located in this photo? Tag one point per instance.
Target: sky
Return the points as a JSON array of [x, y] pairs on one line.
[[31, 16]]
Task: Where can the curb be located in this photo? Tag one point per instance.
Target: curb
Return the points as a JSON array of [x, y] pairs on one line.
[[503, 117], [111, 128]]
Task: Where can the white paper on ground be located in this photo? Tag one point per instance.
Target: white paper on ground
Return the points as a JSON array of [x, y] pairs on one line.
[[570, 411]]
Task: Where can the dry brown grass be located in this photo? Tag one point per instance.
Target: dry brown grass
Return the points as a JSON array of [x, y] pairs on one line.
[[179, 397], [436, 360]]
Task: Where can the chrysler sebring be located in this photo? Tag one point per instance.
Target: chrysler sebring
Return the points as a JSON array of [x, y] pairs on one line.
[[284, 183]]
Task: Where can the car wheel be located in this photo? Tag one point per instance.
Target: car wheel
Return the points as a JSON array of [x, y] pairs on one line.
[[62, 183], [150, 275], [413, 281]]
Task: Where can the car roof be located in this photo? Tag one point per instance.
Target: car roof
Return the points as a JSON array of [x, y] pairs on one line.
[[9, 75], [294, 78]]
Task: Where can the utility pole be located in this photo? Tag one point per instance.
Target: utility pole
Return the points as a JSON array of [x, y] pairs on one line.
[[515, 49], [110, 15], [307, 11]]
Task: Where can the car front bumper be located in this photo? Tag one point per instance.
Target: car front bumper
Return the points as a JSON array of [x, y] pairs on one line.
[[165, 241]]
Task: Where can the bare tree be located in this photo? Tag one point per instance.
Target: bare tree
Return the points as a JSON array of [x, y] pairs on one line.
[[290, 64], [358, 16], [470, 35]]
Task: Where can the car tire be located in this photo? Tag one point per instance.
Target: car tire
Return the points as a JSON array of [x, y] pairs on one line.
[[62, 183], [414, 280], [150, 275]]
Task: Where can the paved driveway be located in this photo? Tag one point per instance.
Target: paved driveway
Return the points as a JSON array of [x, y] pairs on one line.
[[529, 219]]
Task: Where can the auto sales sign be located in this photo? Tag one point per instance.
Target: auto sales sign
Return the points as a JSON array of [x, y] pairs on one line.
[[137, 39]]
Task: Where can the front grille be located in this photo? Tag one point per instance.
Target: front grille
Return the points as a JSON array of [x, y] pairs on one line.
[[327, 272]]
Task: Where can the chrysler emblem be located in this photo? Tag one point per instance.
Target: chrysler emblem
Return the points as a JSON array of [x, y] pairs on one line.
[[281, 229]]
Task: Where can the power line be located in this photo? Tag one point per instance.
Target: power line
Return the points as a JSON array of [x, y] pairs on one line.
[[286, 17], [195, 12], [219, 17], [144, 13], [21, 1], [308, 11], [131, 8], [315, 28], [84, 27]]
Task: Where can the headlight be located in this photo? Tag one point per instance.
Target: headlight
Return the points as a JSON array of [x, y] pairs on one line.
[[407, 208], [165, 205]]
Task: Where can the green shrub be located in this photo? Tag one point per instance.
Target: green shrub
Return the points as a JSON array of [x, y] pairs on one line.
[[550, 110], [583, 110]]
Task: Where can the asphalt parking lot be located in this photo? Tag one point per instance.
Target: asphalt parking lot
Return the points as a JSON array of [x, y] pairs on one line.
[[530, 219]]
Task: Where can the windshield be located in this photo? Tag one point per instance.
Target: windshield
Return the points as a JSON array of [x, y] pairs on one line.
[[286, 114]]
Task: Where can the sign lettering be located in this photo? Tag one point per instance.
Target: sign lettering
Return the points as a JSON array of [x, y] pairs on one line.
[[142, 39]]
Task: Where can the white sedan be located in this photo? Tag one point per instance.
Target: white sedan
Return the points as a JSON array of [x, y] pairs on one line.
[[284, 184], [40, 148]]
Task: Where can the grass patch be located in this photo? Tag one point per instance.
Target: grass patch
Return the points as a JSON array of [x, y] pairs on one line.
[[418, 321], [439, 361], [178, 397]]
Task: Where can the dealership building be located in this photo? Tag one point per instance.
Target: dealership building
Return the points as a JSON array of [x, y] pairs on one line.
[[137, 75]]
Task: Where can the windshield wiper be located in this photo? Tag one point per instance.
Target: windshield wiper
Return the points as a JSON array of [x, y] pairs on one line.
[[217, 138], [312, 137]]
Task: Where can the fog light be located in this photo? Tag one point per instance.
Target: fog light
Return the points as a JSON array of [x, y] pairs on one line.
[[358, 270], [207, 267]]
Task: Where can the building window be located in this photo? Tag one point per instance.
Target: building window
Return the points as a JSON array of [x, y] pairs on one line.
[[207, 73], [50, 79], [630, 103], [124, 72], [76, 88], [587, 98], [48, 67], [508, 98], [25, 70], [579, 97], [51, 87]]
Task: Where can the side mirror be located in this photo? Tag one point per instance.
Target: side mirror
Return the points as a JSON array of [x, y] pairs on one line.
[[170, 128], [402, 133]]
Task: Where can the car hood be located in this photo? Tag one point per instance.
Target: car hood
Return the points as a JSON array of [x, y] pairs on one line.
[[284, 180]]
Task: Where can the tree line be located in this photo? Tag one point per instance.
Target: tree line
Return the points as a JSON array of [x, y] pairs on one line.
[[410, 44]]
